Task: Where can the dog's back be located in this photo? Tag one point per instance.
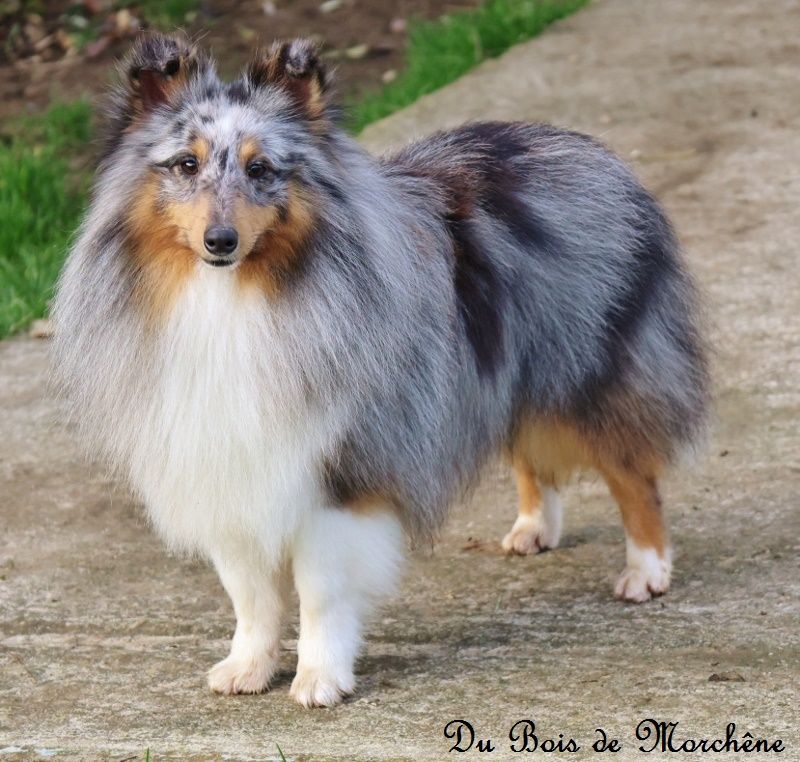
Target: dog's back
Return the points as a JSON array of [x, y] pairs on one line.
[[575, 315]]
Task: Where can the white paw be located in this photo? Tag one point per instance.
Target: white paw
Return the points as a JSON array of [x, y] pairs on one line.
[[530, 535], [647, 574], [241, 675], [317, 687]]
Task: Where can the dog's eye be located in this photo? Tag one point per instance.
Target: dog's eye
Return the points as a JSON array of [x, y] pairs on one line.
[[257, 170], [188, 166]]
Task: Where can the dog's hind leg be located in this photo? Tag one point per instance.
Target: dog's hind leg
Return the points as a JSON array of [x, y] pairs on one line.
[[648, 556], [344, 561], [540, 518], [258, 596]]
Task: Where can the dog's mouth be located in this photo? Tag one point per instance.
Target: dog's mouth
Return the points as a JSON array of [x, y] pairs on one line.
[[220, 261]]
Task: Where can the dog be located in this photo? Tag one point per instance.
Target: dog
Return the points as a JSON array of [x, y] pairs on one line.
[[300, 355]]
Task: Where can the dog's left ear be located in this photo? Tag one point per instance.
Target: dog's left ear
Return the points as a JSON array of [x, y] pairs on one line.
[[295, 68]]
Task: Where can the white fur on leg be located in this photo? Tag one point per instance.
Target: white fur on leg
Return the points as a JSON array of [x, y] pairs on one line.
[[257, 595], [343, 563], [646, 573], [539, 531]]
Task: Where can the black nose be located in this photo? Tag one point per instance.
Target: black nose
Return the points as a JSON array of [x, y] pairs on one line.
[[220, 241]]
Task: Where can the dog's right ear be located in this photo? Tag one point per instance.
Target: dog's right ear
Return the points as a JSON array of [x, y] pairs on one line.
[[154, 72], [157, 67]]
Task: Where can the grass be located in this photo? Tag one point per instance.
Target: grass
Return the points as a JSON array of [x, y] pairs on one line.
[[167, 13], [42, 192], [41, 197], [440, 51]]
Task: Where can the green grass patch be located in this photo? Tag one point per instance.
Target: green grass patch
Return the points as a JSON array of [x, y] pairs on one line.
[[167, 13], [439, 52], [42, 193]]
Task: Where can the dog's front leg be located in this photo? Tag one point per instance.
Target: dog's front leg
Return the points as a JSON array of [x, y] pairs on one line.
[[343, 562], [258, 594]]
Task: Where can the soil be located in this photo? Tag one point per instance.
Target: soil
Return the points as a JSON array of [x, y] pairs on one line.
[[365, 39]]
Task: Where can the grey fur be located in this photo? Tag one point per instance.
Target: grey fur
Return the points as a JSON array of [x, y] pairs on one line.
[[473, 280]]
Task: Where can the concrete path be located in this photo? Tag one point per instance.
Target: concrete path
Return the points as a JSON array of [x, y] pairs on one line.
[[105, 638]]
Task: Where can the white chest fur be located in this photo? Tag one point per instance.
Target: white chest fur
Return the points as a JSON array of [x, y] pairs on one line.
[[228, 447]]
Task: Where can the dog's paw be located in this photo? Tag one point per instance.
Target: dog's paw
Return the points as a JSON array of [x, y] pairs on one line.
[[648, 576], [530, 535], [241, 675], [317, 687]]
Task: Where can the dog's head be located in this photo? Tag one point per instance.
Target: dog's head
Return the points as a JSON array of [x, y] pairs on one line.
[[218, 171]]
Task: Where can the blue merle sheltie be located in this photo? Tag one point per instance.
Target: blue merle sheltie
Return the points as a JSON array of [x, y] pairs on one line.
[[299, 355]]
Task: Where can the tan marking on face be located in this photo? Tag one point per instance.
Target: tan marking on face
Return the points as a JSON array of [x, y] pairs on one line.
[[249, 149], [162, 257], [278, 244], [252, 221], [199, 147], [191, 220]]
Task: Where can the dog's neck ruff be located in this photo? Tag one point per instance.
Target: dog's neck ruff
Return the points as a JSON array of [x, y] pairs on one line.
[[226, 447]]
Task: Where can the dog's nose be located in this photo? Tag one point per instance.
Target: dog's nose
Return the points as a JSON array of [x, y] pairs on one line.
[[220, 241]]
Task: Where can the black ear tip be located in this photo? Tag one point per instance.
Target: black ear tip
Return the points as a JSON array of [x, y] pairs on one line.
[[302, 58], [169, 69], [159, 52], [172, 66]]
